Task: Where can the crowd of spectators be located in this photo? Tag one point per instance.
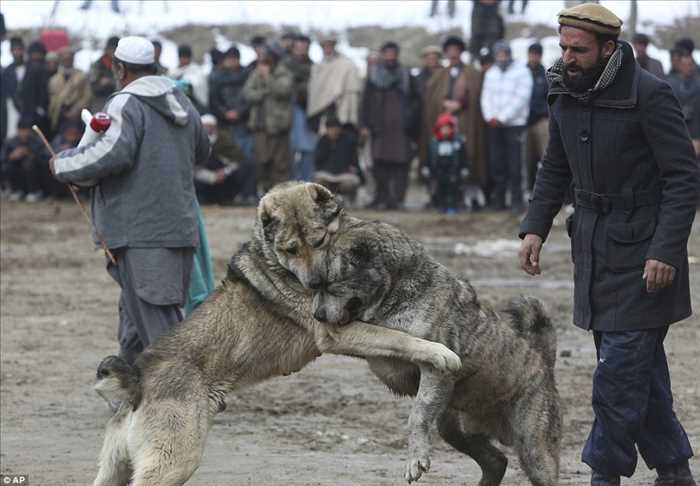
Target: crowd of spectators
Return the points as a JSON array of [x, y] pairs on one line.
[[473, 131]]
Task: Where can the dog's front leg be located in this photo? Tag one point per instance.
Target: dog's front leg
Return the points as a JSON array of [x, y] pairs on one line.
[[367, 341], [434, 393]]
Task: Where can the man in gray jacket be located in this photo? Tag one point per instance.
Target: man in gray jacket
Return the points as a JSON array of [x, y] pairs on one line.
[[143, 198]]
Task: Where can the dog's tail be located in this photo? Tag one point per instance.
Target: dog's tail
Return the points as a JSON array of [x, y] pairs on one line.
[[118, 382], [531, 321]]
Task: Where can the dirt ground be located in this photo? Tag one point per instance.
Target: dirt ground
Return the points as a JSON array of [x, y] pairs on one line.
[[333, 423]]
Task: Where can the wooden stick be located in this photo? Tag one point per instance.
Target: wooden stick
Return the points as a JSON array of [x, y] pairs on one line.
[[76, 198]]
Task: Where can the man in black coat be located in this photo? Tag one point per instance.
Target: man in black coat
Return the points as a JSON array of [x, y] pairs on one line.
[[617, 132]]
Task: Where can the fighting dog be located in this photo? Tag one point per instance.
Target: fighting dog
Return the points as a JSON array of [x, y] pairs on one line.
[[506, 389], [256, 325]]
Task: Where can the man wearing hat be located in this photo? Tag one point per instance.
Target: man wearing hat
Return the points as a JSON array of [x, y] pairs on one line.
[[617, 134], [334, 86], [456, 89], [143, 202]]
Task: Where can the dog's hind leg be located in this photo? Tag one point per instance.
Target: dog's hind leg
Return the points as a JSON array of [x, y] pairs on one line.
[[171, 442], [537, 437], [434, 393], [115, 465], [477, 446]]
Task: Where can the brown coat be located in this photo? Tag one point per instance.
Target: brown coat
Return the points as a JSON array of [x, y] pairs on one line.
[[467, 91], [68, 96]]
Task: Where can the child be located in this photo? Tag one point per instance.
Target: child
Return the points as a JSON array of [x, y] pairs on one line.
[[448, 165]]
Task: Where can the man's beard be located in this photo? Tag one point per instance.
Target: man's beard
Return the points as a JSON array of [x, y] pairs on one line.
[[587, 78]]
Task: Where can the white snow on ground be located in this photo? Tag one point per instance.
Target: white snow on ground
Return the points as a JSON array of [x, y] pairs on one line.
[[152, 16]]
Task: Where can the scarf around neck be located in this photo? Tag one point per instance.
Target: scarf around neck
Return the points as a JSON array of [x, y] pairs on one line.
[[555, 77]]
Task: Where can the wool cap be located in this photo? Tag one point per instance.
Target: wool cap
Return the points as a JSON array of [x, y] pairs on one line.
[[591, 17], [427, 50], [135, 50]]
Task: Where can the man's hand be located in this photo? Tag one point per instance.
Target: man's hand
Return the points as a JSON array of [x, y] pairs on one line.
[[231, 115], [658, 275], [52, 168], [530, 254], [18, 153], [493, 123]]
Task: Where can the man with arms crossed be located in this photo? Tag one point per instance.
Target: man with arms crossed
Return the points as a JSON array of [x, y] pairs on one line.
[[143, 201], [617, 133]]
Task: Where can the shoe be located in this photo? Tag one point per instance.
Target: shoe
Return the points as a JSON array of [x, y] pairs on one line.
[[675, 475], [598, 479]]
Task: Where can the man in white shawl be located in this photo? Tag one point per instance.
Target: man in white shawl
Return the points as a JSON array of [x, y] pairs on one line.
[[334, 86]]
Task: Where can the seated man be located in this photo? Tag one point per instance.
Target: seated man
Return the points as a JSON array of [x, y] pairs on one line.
[[24, 165], [226, 173], [68, 137], [336, 161]]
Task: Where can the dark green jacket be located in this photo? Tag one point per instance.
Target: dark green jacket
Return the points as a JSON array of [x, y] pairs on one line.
[[636, 181]]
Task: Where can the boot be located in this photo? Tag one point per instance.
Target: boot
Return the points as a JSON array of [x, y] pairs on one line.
[[675, 475], [598, 479]]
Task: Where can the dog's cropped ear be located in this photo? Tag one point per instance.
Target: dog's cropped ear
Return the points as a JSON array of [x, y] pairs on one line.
[[267, 221], [321, 195]]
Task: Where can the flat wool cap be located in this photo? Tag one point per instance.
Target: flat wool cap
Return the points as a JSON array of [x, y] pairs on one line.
[[135, 50], [591, 17]]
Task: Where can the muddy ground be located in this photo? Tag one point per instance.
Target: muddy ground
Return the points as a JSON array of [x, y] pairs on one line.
[[330, 424]]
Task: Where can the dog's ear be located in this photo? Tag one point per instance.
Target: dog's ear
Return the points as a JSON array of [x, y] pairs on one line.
[[267, 221], [321, 195]]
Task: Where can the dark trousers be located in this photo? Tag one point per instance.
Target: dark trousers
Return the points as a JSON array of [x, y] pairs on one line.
[[30, 174], [506, 147], [236, 184], [633, 404], [391, 183]]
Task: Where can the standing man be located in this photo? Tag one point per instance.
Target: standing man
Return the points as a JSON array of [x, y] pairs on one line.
[[505, 105], [456, 89], [617, 132], [269, 93], [640, 43], [102, 83], [143, 202], [334, 87], [69, 92], [386, 106], [538, 119]]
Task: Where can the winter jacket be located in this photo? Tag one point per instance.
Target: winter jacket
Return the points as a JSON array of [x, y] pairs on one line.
[[271, 100], [538, 100], [338, 156], [226, 93], [143, 166], [506, 94], [34, 93], [194, 74], [69, 93], [101, 69], [636, 182], [688, 93]]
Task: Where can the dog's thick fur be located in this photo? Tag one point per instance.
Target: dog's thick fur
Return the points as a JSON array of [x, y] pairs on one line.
[[256, 325], [506, 389]]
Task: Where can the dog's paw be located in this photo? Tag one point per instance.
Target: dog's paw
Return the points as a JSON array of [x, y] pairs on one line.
[[443, 359], [416, 467]]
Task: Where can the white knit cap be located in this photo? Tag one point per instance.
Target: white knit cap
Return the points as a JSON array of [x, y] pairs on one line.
[[135, 50], [208, 119]]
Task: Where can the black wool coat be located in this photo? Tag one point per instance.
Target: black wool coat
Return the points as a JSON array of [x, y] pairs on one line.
[[636, 182]]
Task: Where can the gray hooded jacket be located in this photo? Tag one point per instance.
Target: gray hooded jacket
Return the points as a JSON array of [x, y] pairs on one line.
[[143, 165]]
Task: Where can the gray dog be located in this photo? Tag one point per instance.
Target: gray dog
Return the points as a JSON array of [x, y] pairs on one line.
[[506, 389]]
